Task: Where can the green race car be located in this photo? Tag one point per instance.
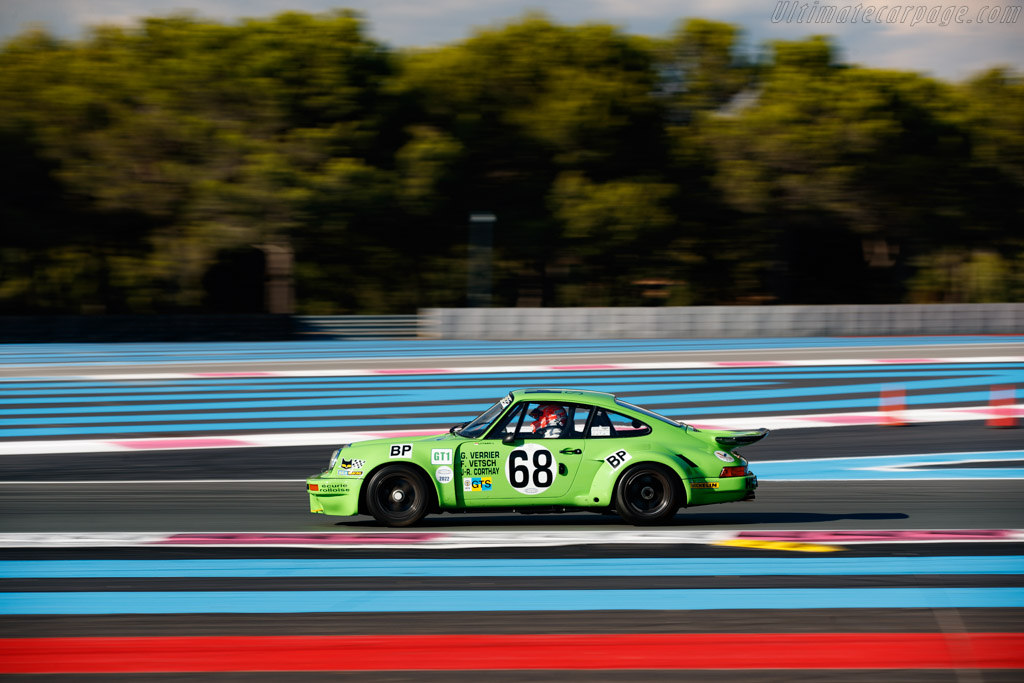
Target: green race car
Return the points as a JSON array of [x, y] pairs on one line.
[[541, 450]]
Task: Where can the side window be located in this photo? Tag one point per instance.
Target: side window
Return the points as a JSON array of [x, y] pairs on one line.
[[608, 424], [579, 421], [509, 423]]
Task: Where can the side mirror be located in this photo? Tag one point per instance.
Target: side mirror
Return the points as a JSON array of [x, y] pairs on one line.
[[508, 439]]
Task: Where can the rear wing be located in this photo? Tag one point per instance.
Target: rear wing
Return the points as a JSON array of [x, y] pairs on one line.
[[742, 438]]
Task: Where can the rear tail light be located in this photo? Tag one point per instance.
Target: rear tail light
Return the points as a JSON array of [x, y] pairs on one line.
[[734, 471]]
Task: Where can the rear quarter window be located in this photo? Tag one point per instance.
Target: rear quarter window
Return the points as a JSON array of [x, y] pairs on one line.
[[607, 424]]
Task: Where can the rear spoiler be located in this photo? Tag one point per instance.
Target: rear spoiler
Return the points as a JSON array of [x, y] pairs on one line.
[[742, 438]]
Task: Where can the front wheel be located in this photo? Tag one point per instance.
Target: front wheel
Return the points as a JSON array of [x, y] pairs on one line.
[[397, 496], [648, 494]]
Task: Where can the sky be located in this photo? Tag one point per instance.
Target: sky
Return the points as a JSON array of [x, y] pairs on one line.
[[947, 41]]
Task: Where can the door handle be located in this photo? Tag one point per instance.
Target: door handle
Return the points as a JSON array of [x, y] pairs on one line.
[[571, 451]]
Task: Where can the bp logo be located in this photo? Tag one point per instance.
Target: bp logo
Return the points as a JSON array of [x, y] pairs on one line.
[[531, 468]]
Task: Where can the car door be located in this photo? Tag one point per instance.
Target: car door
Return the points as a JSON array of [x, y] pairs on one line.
[[522, 463]]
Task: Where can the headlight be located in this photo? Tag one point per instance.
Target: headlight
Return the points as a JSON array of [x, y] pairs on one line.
[[334, 456]]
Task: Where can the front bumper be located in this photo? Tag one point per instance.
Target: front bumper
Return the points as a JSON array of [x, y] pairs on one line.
[[334, 495]]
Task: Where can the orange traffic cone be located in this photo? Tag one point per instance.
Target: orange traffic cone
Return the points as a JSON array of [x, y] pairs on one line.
[[1002, 413], [893, 403]]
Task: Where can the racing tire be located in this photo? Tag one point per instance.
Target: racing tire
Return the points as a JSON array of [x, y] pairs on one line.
[[648, 494], [397, 495]]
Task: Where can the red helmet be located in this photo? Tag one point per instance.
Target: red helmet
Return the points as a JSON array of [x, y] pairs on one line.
[[548, 415]]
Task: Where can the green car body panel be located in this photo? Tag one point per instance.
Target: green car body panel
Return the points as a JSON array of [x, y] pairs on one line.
[[497, 463]]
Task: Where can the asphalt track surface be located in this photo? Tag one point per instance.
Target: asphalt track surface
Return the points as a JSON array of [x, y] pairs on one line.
[[260, 490]]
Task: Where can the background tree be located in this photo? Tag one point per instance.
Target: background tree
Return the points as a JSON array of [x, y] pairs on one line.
[[151, 169]]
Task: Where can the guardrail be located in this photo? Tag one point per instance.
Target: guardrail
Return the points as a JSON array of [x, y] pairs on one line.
[[722, 321], [357, 326]]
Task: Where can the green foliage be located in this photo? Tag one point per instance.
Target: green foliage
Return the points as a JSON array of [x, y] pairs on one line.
[[141, 163]]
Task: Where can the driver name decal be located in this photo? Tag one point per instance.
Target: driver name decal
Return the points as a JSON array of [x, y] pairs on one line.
[[481, 463]]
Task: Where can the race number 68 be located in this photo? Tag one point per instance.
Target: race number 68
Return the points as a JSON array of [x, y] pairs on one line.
[[530, 470]]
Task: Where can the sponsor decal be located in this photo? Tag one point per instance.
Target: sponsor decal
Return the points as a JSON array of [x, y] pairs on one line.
[[353, 473], [618, 459], [340, 487], [506, 401], [724, 457], [600, 431], [444, 475], [531, 469], [477, 484], [441, 456], [349, 464], [401, 450], [704, 485]]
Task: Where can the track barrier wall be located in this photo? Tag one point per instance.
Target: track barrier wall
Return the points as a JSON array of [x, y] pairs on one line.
[[690, 322]]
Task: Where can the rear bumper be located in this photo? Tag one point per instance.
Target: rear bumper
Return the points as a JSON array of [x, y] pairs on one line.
[[709, 490]]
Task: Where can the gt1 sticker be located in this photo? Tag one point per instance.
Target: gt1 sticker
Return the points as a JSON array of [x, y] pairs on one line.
[[618, 459], [441, 456], [724, 457], [444, 474], [401, 450], [531, 468], [477, 484]]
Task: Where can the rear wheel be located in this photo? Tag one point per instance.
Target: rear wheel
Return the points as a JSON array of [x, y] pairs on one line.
[[648, 494], [397, 496]]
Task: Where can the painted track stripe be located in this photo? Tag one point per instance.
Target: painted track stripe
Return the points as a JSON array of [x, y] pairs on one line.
[[505, 369], [533, 538], [333, 438], [190, 654], [287, 602], [654, 566]]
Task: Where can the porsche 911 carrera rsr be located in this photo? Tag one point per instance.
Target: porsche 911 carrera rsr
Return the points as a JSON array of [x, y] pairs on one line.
[[538, 450]]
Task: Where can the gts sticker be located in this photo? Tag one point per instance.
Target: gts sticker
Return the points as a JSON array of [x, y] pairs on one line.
[[476, 484], [618, 459]]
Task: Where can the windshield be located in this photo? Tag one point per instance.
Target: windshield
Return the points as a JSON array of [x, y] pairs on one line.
[[477, 427], [649, 413]]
